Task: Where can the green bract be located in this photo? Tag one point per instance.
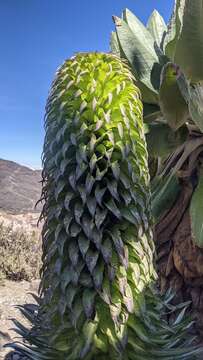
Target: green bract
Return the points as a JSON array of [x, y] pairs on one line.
[[98, 299]]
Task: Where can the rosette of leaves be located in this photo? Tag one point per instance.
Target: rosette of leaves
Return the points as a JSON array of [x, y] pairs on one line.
[[167, 62], [97, 294]]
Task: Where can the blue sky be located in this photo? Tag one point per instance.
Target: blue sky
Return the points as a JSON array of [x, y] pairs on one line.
[[36, 37]]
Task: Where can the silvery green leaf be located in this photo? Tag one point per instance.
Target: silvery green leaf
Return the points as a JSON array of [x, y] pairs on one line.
[[138, 49], [172, 103], [157, 27], [164, 195], [114, 43], [196, 104], [189, 47], [183, 85], [151, 112], [173, 30], [168, 142]]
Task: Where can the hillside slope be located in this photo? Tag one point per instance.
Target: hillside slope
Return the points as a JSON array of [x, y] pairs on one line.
[[20, 188]]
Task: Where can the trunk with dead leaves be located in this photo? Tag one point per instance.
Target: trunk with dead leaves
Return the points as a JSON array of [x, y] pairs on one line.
[[180, 261]]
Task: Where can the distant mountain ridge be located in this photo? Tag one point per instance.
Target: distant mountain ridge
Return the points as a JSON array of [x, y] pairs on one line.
[[20, 188]]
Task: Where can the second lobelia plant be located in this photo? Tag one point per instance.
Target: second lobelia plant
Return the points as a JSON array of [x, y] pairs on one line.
[[167, 62], [97, 296]]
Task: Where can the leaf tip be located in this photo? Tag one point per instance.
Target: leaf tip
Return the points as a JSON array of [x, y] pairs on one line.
[[116, 20]]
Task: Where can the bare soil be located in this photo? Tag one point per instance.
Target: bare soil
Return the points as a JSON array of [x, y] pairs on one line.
[[11, 294]]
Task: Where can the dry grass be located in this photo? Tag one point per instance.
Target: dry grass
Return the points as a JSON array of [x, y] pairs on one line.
[[20, 254]]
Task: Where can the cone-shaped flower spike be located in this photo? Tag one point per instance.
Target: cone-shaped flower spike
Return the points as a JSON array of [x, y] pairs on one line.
[[97, 295]]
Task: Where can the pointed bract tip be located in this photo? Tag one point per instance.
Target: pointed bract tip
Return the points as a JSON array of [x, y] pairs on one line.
[[116, 20], [155, 11]]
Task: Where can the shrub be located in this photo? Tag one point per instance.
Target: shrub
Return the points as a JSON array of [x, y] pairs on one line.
[[20, 254]]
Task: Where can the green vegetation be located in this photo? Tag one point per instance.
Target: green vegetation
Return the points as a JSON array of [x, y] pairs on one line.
[[167, 63], [98, 297]]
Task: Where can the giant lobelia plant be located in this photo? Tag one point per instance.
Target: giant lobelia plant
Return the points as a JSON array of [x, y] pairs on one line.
[[97, 295], [167, 61]]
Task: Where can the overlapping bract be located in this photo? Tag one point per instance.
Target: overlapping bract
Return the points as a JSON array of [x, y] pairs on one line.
[[97, 211], [97, 291]]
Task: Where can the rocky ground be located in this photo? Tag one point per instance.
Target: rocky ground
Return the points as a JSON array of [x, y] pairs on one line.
[[11, 294]]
